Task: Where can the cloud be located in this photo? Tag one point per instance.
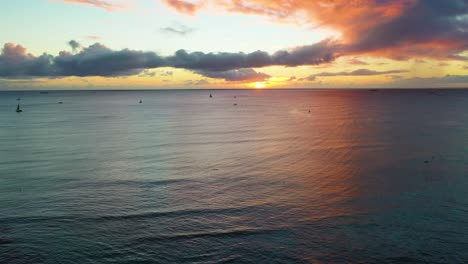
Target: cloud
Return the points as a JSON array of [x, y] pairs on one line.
[[152, 73], [318, 53], [244, 75], [106, 5], [355, 61], [166, 73], [201, 82], [178, 30], [15, 62], [435, 82], [93, 37], [147, 73], [182, 6], [360, 72], [396, 77], [398, 29], [454, 79], [75, 45], [99, 60]]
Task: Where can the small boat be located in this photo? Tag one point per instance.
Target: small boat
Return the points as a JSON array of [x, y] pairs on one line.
[[235, 104], [211, 96], [18, 109], [43, 92], [141, 102], [60, 102]]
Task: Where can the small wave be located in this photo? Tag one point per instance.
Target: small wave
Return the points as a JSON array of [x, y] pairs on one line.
[[35, 219], [4, 241], [148, 183], [404, 259], [215, 234], [137, 216], [188, 212]]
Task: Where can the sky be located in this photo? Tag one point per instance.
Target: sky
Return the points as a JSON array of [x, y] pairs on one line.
[[171, 44]]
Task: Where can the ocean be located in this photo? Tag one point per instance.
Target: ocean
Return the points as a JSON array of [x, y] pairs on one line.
[[248, 176]]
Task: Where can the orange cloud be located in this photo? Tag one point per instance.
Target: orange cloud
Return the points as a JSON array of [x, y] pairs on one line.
[[396, 29], [182, 6]]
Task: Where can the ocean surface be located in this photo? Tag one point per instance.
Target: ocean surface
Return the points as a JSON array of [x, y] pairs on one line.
[[365, 177]]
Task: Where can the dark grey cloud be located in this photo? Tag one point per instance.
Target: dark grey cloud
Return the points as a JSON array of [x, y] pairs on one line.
[[237, 75], [99, 60], [442, 23], [75, 45], [318, 53], [15, 62]]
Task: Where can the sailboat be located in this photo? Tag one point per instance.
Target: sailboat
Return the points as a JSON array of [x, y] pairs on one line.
[[211, 96], [18, 110]]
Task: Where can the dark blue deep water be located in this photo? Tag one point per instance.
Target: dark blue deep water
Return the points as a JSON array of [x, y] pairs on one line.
[[365, 177]]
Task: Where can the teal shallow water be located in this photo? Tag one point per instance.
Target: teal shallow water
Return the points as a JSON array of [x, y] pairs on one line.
[[183, 178]]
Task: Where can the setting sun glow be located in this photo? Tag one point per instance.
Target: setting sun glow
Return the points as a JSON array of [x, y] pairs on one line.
[[259, 85]]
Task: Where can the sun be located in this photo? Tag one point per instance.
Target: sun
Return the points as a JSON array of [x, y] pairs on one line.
[[259, 85]]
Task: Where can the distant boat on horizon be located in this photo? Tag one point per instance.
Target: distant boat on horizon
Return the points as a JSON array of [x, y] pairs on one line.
[[18, 109], [43, 92], [141, 102], [211, 96]]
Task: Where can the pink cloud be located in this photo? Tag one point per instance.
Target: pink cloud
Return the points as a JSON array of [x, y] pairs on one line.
[[106, 5]]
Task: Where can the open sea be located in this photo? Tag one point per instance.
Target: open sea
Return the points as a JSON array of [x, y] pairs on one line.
[[364, 177]]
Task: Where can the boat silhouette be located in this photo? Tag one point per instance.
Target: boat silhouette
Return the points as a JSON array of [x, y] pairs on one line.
[[18, 109]]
